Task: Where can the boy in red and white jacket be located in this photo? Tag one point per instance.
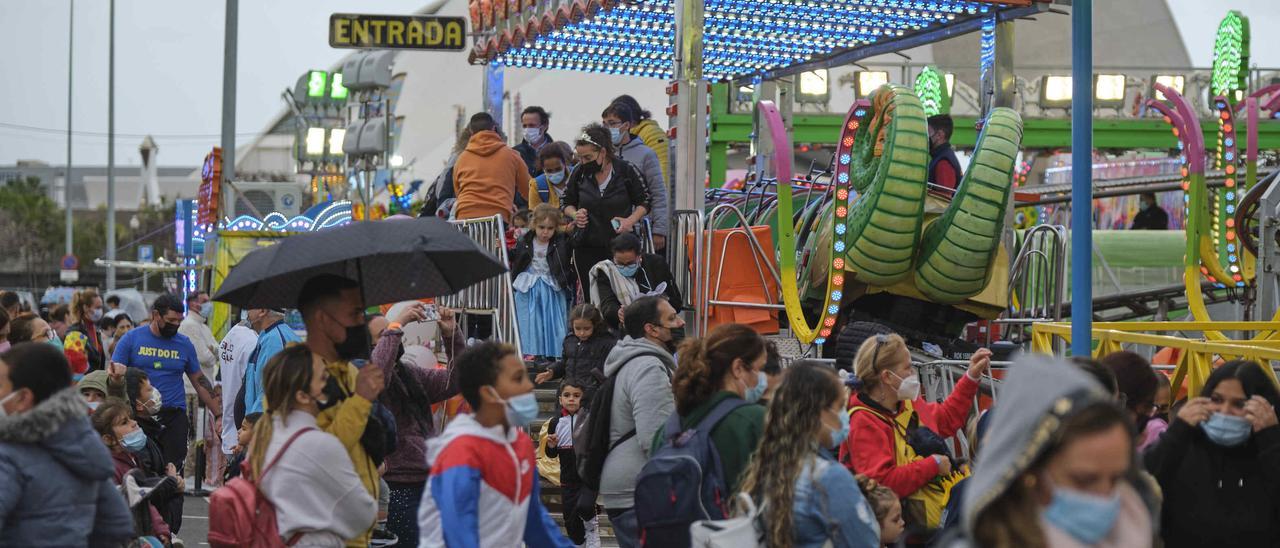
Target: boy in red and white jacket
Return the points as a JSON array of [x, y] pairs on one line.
[[483, 487]]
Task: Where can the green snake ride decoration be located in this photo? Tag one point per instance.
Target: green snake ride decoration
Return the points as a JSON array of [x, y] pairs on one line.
[[958, 247], [878, 213]]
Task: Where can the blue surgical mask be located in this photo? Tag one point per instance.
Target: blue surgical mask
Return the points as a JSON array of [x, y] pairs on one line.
[[1227, 430], [1088, 518], [555, 177], [522, 409], [629, 270], [134, 441], [616, 134], [754, 393], [54, 340], [206, 310], [839, 436]]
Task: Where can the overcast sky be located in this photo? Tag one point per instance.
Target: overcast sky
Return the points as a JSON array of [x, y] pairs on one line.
[[169, 68]]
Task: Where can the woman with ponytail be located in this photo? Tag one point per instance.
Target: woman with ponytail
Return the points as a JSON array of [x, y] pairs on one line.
[[303, 471], [896, 435], [808, 499], [82, 343], [727, 364]]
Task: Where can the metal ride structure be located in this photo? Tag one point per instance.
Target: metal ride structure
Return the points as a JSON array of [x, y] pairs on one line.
[[1218, 225], [873, 214]]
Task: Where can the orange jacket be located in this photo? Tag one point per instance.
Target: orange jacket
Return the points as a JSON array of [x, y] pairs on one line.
[[487, 177]]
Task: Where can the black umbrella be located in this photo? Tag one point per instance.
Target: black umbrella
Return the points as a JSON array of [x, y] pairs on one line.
[[394, 260]]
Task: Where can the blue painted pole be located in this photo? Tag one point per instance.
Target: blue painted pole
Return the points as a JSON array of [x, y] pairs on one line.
[[1081, 177]]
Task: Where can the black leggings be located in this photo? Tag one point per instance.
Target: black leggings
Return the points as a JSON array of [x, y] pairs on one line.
[[173, 443], [583, 259]]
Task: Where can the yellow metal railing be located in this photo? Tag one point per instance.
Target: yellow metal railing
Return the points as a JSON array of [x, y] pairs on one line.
[[1197, 356]]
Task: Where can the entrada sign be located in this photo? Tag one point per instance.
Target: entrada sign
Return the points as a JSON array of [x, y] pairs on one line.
[[350, 30]]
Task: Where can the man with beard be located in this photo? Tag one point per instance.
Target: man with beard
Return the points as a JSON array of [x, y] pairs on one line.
[[167, 356], [333, 311], [642, 401]]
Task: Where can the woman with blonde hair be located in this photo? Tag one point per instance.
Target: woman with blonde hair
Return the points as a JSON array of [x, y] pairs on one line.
[[303, 471], [896, 435], [82, 343], [807, 498]]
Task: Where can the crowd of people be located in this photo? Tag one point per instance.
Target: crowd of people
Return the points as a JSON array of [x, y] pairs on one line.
[[364, 432], [349, 436]]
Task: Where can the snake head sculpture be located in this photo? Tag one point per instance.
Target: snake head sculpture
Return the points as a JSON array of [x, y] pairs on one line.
[[881, 234]]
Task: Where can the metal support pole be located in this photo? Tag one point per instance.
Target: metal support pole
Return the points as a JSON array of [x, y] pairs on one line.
[[1006, 85], [111, 147], [229, 42], [1081, 177], [691, 107], [66, 177]]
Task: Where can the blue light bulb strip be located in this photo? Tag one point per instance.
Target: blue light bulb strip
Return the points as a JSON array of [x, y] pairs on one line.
[[741, 36]]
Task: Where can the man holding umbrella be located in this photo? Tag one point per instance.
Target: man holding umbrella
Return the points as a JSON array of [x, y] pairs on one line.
[[330, 275], [333, 312]]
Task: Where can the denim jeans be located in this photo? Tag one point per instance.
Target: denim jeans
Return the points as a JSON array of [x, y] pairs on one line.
[[625, 527]]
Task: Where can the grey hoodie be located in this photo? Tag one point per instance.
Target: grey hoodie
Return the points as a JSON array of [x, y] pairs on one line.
[[646, 161], [1039, 393], [56, 488], [642, 400]]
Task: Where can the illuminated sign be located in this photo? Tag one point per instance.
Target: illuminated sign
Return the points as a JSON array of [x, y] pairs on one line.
[[337, 90], [316, 81], [349, 30], [1231, 55]]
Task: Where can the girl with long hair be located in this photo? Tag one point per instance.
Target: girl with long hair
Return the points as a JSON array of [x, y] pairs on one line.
[[305, 472], [1217, 463], [585, 349], [807, 498], [1058, 467], [725, 365], [82, 343], [544, 281]]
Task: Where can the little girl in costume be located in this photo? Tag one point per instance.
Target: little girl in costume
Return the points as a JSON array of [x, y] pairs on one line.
[[540, 262]]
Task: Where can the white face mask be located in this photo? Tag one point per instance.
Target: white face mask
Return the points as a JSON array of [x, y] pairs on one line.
[[4, 400], [909, 390]]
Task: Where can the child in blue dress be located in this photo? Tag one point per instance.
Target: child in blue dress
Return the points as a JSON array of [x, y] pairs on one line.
[[542, 284]]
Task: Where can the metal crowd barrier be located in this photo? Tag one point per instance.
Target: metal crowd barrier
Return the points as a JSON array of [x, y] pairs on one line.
[[492, 297], [1037, 281], [686, 229]]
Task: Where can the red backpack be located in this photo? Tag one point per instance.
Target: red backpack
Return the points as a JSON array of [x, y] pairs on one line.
[[240, 517]]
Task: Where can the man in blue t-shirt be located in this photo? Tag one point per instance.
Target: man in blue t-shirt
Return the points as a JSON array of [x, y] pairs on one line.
[[166, 356]]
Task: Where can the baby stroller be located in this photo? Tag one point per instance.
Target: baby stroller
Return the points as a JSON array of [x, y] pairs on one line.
[[138, 492]]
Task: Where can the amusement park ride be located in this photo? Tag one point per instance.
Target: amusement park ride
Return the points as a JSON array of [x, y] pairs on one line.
[[866, 238]]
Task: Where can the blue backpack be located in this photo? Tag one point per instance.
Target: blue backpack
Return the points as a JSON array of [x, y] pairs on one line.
[[683, 481]]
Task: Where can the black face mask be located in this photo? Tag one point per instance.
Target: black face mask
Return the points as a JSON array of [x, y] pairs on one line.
[[589, 168], [168, 330], [677, 335], [357, 345]]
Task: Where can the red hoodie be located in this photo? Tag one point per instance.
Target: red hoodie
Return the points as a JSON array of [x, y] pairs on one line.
[[870, 447], [487, 176]]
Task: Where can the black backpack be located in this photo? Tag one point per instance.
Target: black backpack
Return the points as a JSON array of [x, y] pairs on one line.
[[591, 437]]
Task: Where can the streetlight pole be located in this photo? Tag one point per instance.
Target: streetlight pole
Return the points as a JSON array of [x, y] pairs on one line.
[[111, 148], [66, 177], [229, 93]]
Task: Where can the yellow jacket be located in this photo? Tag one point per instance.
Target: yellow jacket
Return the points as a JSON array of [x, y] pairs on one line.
[[346, 421], [535, 198], [656, 139]]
